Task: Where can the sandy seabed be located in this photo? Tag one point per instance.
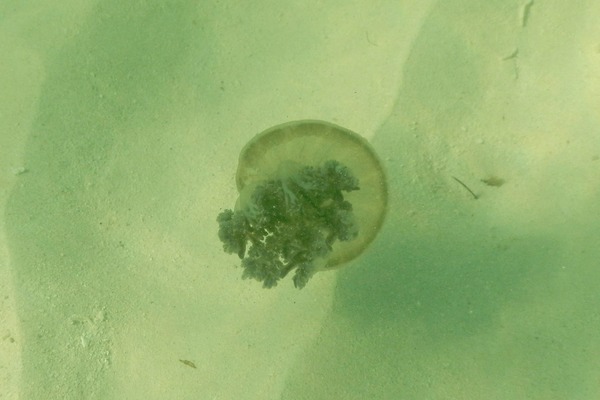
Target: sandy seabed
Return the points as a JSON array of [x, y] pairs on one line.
[[120, 128]]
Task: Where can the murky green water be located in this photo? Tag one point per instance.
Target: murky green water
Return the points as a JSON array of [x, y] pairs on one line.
[[120, 130]]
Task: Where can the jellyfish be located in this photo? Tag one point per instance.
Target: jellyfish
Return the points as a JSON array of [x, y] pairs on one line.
[[312, 197]]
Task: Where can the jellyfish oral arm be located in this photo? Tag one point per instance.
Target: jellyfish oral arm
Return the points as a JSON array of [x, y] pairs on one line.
[[290, 223]]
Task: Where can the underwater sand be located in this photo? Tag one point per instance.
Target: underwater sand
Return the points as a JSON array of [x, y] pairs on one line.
[[120, 128]]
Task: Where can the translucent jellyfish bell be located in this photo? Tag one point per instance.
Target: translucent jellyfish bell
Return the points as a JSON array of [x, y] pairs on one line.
[[282, 149]]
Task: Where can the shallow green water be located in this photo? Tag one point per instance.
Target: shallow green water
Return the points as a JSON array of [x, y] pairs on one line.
[[120, 131]]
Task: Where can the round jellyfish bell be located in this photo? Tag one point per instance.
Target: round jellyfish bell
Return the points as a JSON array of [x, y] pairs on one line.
[[312, 196]]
